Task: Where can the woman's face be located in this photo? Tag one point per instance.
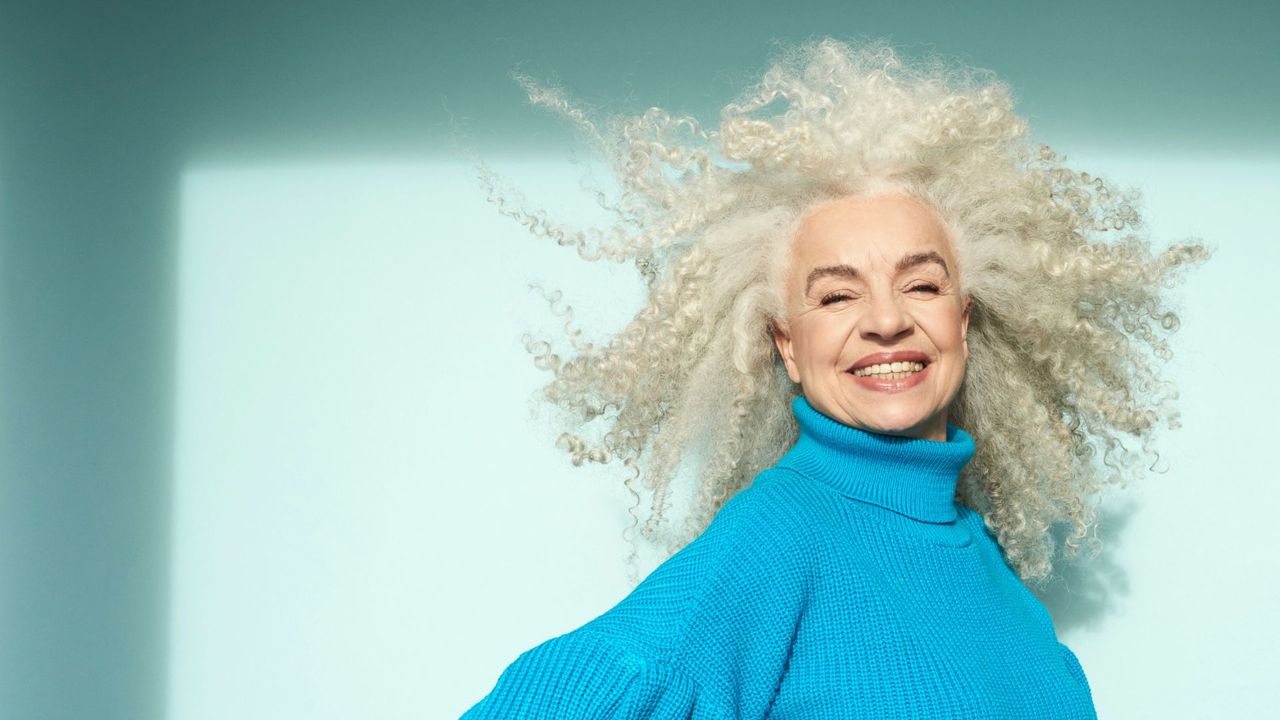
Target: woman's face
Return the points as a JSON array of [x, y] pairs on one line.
[[872, 282]]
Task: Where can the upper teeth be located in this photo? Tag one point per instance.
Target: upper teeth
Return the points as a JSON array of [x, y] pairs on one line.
[[890, 368]]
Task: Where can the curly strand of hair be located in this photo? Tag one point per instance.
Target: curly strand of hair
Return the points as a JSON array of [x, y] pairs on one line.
[[626, 211], [573, 333], [628, 532], [680, 335], [647, 145], [543, 358], [592, 244], [556, 99]]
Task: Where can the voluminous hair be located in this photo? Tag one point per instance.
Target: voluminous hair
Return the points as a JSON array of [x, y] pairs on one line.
[[1067, 327]]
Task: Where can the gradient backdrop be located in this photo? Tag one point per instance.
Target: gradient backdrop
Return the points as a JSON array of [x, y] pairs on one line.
[[266, 449]]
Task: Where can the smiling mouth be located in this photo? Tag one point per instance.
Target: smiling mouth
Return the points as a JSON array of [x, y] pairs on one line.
[[889, 371]]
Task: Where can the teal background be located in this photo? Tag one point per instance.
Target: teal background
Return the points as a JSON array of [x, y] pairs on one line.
[[116, 120]]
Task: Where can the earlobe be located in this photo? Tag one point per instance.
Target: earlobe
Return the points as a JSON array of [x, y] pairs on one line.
[[783, 342]]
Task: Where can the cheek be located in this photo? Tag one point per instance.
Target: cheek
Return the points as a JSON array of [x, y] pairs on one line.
[[819, 342], [948, 333]]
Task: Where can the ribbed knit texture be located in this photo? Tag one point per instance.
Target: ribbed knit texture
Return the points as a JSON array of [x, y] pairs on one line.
[[844, 582]]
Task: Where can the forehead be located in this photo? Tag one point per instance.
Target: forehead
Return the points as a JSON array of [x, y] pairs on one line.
[[868, 231]]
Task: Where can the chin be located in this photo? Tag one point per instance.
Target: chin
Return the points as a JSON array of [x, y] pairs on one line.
[[904, 430], [914, 426], [886, 418]]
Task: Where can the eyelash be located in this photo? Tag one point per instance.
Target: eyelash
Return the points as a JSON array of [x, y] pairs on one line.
[[835, 297]]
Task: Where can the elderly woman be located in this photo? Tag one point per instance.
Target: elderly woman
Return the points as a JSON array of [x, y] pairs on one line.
[[887, 331]]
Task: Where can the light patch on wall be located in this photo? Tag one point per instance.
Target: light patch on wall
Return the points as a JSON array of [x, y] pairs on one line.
[[353, 443]]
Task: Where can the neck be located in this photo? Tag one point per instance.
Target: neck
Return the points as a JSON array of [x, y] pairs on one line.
[[913, 476]]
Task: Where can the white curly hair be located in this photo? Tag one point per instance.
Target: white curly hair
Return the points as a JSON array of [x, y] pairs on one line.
[[1067, 322]]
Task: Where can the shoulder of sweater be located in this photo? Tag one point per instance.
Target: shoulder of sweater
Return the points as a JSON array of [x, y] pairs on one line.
[[762, 526], [794, 501], [756, 537], [773, 523], [806, 507], [978, 527], [986, 537]]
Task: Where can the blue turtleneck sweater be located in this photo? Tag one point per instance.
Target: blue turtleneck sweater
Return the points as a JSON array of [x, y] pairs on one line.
[[844, 582]]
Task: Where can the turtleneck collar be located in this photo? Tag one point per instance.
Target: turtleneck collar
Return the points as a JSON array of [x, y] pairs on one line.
[[911, 476]]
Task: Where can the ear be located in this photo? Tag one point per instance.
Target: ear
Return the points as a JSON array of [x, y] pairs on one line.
[[783, 341], [964, 325]]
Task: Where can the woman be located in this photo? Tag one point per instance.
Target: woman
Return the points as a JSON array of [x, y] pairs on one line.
[[892, 335]]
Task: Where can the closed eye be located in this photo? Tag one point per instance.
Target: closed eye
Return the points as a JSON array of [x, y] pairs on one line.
[[833, 298], [925, 287]]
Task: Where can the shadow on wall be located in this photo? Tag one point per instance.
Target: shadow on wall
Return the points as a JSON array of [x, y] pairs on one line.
[[1084, 591]]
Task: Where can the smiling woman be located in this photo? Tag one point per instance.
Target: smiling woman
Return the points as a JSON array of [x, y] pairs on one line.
[[901, 332], [903, 309]]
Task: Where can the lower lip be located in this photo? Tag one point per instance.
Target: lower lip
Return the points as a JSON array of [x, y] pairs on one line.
[[872, 382]]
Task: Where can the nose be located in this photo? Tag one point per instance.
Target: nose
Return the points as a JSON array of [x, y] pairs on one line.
[[885, 318]]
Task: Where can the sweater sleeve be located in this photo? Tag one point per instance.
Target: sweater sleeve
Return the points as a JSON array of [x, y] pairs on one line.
[[585, 675], [707, 635]]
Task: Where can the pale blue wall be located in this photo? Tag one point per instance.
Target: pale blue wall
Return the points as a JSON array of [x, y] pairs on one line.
[[134, 141]]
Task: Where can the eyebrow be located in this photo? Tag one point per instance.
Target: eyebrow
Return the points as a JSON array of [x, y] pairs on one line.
[[848, 271]]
